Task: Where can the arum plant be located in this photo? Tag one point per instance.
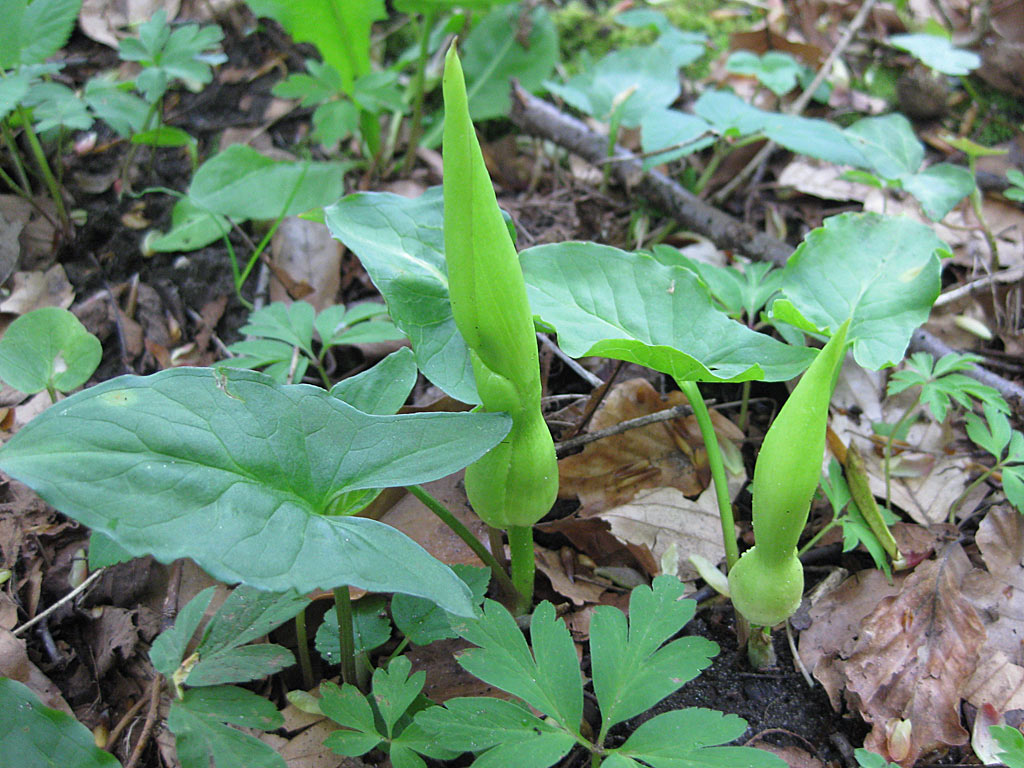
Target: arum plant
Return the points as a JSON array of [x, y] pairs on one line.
[[767, 583], [515, 483]]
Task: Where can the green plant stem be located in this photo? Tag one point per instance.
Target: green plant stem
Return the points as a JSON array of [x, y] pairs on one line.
[[44, 168], [955, 506], [302, 645], [19, 167], [460, 529], [419, 91], [887, 451], [717, 466], [346, 634], [979, 212], [520, 544], [817, 537], [744, 406]]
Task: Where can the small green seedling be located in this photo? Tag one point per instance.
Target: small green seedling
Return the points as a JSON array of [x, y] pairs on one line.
[[284, 347], [1015, 191], [777, 71], [40, 736], [1006, 445], [49, 349], [514, 485], [204, 706]]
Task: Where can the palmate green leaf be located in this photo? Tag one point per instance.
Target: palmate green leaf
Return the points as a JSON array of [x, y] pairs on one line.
[[56, 106], [632, 671], [942, 383], [45, 27], [242, 475], [609, 303], [394, 690], [198, 723], [491, 57], [1011, 744], [506, 732], [168, 648], [273, 358], [728, 112], [346, 706], [12, 90], [775, 70], [246, 615], [370, 628], [889, 145], [548, 679], [815, 138], [422, 621], [880, 271], [48, 347], [35, 736], [687, 738], [401, 244], [240, 183]]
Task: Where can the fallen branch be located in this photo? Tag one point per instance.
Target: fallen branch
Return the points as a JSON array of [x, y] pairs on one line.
[[539, 118]]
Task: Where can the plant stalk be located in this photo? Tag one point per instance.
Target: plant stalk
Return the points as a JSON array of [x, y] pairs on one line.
[[460, 529], [302, 645], [44, 168], [418, 92], [520, 544], [346, 634], [717, 466]]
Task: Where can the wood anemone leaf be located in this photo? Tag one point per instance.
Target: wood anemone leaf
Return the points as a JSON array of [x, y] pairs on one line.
[[400, 242], [609, 303], [241, 475]]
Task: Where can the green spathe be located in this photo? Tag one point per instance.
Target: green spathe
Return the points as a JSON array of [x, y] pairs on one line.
[[514, 484], [767, 582]]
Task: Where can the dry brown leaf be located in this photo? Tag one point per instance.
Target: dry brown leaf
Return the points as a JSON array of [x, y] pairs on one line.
[[33, 290], [307, 750], [820, 179], [15, 664], [576, 589], [105, 21], [611, 471], [660, 517], [112, 636], [309, 255], [913, 658]]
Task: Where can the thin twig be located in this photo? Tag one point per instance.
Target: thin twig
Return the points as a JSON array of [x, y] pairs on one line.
[[115, 733], [147, 728], [69, 596], [798, 106], [1011, 275], [578, 369]]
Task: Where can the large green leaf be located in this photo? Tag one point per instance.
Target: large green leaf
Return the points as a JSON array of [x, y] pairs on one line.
[[401, 244], [340, 29], [45, 28], [241, 474], [243, 184], [35, 736], [938, 53], [938, 188], [491, 57], [889, 145], [881, 271], [816, 138], [609, 303]]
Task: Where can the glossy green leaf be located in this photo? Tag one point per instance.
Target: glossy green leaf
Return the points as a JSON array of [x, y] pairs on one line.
[[609, 303], [242, 475], [48, 347], [384, 388], [192, 228], [881, 271], [506, 732], [35, 736], [491, 57], [198, 723], [889, 145], [548, 678], [938, 188], [688, 738], [401, 244], [938, 53], [632, 670], [240, 183], [422, 621], [678, 133], [370, 628]]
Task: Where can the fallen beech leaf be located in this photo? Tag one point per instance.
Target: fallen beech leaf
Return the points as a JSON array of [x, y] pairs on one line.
[[915, 653], [577, 590], [33, 290], [611, 471], [308, 254]]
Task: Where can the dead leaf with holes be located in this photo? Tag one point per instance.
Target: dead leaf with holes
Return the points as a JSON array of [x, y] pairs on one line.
[[612, 471], [914, 656]]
